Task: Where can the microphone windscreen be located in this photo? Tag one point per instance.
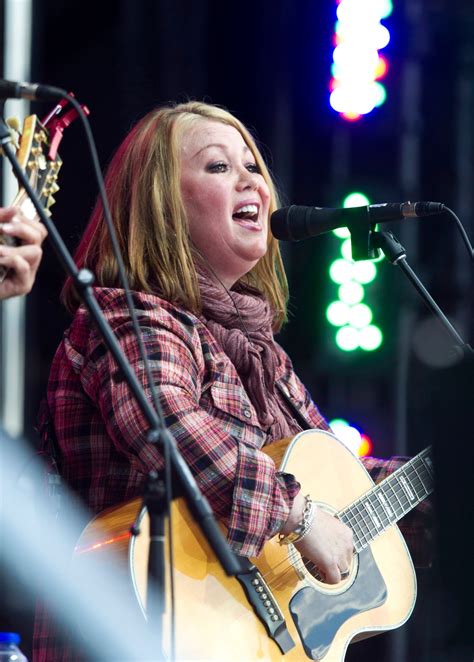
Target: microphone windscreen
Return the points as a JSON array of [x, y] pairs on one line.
[[292, 223]]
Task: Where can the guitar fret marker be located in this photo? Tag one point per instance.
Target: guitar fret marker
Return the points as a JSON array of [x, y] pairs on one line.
[[379, 509], [391, 487], [373, 515], [386, 505], [404, 483]]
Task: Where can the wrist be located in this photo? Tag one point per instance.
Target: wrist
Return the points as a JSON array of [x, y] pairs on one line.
[[292, 534]]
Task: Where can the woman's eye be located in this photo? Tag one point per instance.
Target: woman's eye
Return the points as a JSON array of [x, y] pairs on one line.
[[253, 167], [217, 167]]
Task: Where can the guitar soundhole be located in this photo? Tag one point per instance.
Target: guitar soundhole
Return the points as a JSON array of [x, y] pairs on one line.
[[308, 571]]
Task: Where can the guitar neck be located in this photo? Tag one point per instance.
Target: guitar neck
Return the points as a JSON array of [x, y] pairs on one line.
[[390, 500]]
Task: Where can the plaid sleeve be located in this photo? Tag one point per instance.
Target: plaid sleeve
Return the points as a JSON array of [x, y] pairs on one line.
[[239, 480], [417, 525]]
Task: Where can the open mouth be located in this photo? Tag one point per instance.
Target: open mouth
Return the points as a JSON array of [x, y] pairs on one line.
[[246, 214]]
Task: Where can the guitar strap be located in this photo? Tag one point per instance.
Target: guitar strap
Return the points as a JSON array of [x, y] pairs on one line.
[[301, 420]]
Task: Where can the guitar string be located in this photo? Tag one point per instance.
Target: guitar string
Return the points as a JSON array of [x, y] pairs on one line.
[[397, 489], [299, 565], [309, 565]]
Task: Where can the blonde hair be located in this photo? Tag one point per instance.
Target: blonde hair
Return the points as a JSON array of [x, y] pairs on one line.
[[143, 189]]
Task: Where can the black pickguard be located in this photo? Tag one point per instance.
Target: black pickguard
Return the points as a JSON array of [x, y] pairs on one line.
[[318, 616]]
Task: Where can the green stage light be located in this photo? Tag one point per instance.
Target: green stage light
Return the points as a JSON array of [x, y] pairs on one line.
[[359, 316], [342, 233], [347, 338], [336, 423], [340, 271], [386, 8], [355, 199], [346, 250], [380, 93], [351, 292], [364, 272], [337, 313], [370, 338], [353, 317]]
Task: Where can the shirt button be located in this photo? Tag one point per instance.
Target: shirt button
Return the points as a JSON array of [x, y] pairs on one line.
[[247, 413]]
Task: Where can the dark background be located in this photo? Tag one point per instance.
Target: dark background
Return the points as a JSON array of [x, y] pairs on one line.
[[269, 63]]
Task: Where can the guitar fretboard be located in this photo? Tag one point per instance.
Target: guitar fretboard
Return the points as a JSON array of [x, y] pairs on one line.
[[390, 500]]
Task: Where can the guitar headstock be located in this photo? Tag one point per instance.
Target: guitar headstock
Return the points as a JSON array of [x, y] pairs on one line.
[[37, 153], [39, 167]]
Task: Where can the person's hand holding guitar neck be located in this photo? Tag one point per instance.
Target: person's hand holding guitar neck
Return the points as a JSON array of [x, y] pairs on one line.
[[20, 251]]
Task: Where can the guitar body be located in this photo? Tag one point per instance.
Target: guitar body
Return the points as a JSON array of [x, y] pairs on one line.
[[214, 619]]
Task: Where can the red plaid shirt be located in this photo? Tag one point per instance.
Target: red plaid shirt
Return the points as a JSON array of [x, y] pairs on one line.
[[101, 431]]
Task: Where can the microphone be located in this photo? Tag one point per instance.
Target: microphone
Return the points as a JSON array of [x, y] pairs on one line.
[[296, 222], [32, 91]]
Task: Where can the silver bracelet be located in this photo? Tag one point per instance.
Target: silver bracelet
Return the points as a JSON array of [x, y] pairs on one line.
[[310, 521], [303, 526]]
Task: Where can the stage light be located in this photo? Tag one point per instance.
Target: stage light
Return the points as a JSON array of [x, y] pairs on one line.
[[356, 441], [357, 65], [364, 271], [370, 338], [382, 67], [360, 316], [347, 338], [365, 447], [338, 313], [348, 434], [379, 93], [354, 318], [351, 292], [346, 250], [355, 199], [342, 233], [340, 271]]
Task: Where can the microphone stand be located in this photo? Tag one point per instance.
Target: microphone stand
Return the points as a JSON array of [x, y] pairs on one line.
[[396, 254], [83, 280]]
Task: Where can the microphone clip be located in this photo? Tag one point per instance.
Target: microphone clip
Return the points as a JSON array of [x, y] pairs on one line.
[[363, 243]]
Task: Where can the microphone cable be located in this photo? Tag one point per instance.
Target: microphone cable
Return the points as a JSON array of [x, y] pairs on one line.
[[461, 229]]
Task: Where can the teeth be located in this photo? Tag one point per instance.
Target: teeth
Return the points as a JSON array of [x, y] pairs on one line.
[[252, 209]]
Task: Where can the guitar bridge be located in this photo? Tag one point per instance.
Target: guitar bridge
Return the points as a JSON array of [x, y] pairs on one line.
[[265, 606]]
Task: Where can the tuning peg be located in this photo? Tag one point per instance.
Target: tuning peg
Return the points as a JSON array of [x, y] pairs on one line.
[[40, 136], [14, 126], [14, 123]]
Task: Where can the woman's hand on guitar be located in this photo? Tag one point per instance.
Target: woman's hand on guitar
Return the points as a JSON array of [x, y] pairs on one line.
[[329, 545], [20, 261]]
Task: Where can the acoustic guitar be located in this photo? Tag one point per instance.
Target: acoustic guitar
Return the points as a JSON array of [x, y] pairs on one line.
[[281, 609]]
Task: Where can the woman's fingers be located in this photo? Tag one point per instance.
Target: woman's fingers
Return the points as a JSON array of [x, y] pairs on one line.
[[14, 223], [20, 261], [329, 545]]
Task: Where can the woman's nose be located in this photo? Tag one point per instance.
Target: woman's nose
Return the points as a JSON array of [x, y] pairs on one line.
[[248, 180]]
